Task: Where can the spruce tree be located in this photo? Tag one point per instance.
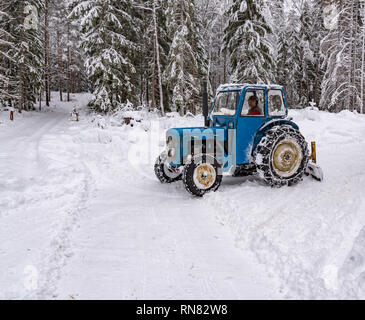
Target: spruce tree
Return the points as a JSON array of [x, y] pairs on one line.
[[6, 43], [341, 83], [247, 43], [108, 32], [213, 22], [187, 60], [24, 26], [153, 53], [313, 31]]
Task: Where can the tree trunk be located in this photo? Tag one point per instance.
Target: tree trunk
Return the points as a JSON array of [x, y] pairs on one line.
[[350, 66], [68, 63], [363, 63], [158, 60], [153, 93], [40, 100], [59, 59], [181, 53], [46, 52]]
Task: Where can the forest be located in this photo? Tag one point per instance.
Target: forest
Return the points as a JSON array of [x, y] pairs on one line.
[[155, 54]]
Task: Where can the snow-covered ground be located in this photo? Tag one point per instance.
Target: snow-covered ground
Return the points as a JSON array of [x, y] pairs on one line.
[[83, 217]]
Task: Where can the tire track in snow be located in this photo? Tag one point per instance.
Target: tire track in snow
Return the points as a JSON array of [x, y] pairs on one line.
[[61, 244], [59, 250], [154, 241], [21, 162], [300, 232], [28, 193]]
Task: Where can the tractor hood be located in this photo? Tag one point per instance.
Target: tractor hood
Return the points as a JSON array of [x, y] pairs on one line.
[[219, 127], [184, 142], [197, 133]]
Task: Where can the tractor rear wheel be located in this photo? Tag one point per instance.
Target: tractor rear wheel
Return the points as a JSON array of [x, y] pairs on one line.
[[281, 157], [164, 172], [202, 175]]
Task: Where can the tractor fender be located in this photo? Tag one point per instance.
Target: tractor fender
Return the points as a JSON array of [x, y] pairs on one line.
[[267, 126]]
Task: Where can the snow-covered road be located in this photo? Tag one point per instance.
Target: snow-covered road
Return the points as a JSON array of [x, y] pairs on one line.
[[43, 187], [79, 219]]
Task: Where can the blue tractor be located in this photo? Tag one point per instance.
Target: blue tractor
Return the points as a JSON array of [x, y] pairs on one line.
[[247, 132]]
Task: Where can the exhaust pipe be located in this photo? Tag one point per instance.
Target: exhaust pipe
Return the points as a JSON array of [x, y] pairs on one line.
[[205, 103]]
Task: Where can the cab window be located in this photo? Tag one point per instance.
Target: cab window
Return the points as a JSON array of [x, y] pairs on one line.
[[254, 104], [276, 103], [226, 103]]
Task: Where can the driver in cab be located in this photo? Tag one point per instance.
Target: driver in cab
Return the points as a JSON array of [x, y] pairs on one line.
[[254, 108]]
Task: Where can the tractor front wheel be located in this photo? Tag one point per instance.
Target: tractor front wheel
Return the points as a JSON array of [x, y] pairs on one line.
[[281, 157], [202, 175], [164, 172]]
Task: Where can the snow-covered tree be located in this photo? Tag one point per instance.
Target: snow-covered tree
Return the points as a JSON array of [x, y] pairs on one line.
[[214, 20], [279, 21], [315, 33], [157, 69], [298, 31], [27, 54], [154, 51], [362, 58], [187, 60], [248, 45], [340, 87], [59, 44], [6, 43], [108, 32], [157, 52]]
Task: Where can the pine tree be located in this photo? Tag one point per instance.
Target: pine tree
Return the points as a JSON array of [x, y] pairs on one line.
[[153, 53], [187, 61], [73, 57], [157, 71], [47, 53], [24, 26], [277, 20], [362, 59], [59, 28], [108, 29], [291, 59], [315, 34], [340, 87], [298, 33], [247, 43], [6, 43], [213, 21]]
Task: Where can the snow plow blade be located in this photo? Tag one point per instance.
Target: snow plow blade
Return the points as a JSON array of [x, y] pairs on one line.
[[314, 171]]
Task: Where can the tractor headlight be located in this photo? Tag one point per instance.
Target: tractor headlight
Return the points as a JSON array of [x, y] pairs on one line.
[[171, 147], [171, 152]]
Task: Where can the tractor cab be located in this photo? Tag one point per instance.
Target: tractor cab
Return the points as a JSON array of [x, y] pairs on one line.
[[233, 101], [232, 109]]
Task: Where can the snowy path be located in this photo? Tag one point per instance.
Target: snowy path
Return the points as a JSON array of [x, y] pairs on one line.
[[80, 220], [24, 228], [43, 188], [144, 247]]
